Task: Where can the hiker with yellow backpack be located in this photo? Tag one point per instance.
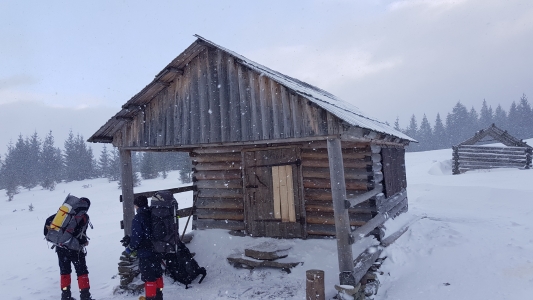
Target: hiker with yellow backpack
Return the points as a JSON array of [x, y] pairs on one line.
[[67, 231]]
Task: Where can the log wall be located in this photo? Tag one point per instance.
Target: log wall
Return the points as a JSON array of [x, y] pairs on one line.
[[217, 99], [217, 175], [482, 157], [362, 171]]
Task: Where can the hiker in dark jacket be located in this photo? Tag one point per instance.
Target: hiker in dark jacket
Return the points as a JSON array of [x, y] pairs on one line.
[[141, 243], [66, 257]]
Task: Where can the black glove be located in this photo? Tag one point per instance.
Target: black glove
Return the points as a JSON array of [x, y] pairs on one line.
[[125, 241]]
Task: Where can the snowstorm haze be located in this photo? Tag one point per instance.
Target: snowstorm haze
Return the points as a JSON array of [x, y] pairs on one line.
[[69, 65]]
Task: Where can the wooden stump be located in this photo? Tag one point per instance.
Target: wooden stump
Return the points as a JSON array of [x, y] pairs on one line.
[[314, 288]]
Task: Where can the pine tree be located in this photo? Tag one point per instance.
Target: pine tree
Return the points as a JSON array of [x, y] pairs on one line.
[[104, 163], [439, 134], [149, 166], [10, 173], [525, 119], [486, 117], [473, 120], [184, 165], [134, 160], [21, 165], [412, 131], [397, 124], [71, 158], [79, 160], [458, 124], [32, 162], [500, 117], [114, 166], [512, 120], [425, 135], [51, 164]]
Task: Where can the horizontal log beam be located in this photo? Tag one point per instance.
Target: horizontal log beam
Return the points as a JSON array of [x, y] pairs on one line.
[[349, 173], [217, 157], [351, 184], [485, 148], [219, 184], [217, 175], [173, 191], [184, 212], [364, 197], [216, 150], [356, 219], [491, 160], [324, 154], [220, 193], [325, 194], [467, 155], [218, 224], [216, 166], [218, 214], [353, 146], [220, 203], [387, 204], [365, 260], [491, 165], [365, 229], [327, 206], [324, 163], [321, 229]]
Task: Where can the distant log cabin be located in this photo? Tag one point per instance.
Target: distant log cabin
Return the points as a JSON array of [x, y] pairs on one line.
[[272, 156], [468, 156]]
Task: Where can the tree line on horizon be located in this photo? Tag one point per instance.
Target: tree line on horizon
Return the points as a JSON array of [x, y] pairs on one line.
[[461, 124], [31, 162]]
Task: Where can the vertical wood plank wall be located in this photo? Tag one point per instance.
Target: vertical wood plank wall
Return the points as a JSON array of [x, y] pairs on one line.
[[394, 180], [219, 100]]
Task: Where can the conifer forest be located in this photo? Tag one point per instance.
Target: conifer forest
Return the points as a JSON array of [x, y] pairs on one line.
[[34, 161]]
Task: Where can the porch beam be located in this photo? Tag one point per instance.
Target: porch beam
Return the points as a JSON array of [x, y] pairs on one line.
[[126, 173], [342, 219]]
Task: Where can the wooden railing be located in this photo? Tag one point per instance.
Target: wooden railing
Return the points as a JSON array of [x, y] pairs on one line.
[[184, 212]]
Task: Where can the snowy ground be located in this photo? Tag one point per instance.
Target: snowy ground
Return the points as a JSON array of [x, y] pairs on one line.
[[476, 242]]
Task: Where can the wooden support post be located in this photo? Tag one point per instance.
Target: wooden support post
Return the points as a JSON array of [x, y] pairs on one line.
[[314, 287], [342, 220], [126, 173], [455, 160], [528, 158]]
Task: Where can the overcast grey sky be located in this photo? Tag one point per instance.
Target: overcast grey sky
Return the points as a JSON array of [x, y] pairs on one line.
[[72, 64]]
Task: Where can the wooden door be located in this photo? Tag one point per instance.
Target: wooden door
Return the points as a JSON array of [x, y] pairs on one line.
[[273, 199]]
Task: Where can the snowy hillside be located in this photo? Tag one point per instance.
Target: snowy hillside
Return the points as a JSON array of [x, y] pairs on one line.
[[475, 242]]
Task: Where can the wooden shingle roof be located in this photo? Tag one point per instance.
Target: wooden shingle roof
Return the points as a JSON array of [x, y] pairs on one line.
[[341, 109], [498, 134]]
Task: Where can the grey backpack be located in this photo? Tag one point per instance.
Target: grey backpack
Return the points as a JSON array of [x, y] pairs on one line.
[[69, 224]]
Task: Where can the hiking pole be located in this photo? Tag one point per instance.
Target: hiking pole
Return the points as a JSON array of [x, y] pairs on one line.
[[176, 228], [192, 212]]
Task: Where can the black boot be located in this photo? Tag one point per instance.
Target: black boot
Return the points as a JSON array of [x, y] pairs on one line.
[[85, 295], [66, 294], [159, 294]]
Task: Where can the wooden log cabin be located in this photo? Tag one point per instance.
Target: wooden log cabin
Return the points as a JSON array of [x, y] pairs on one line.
[[272, 156], [472, 154]]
